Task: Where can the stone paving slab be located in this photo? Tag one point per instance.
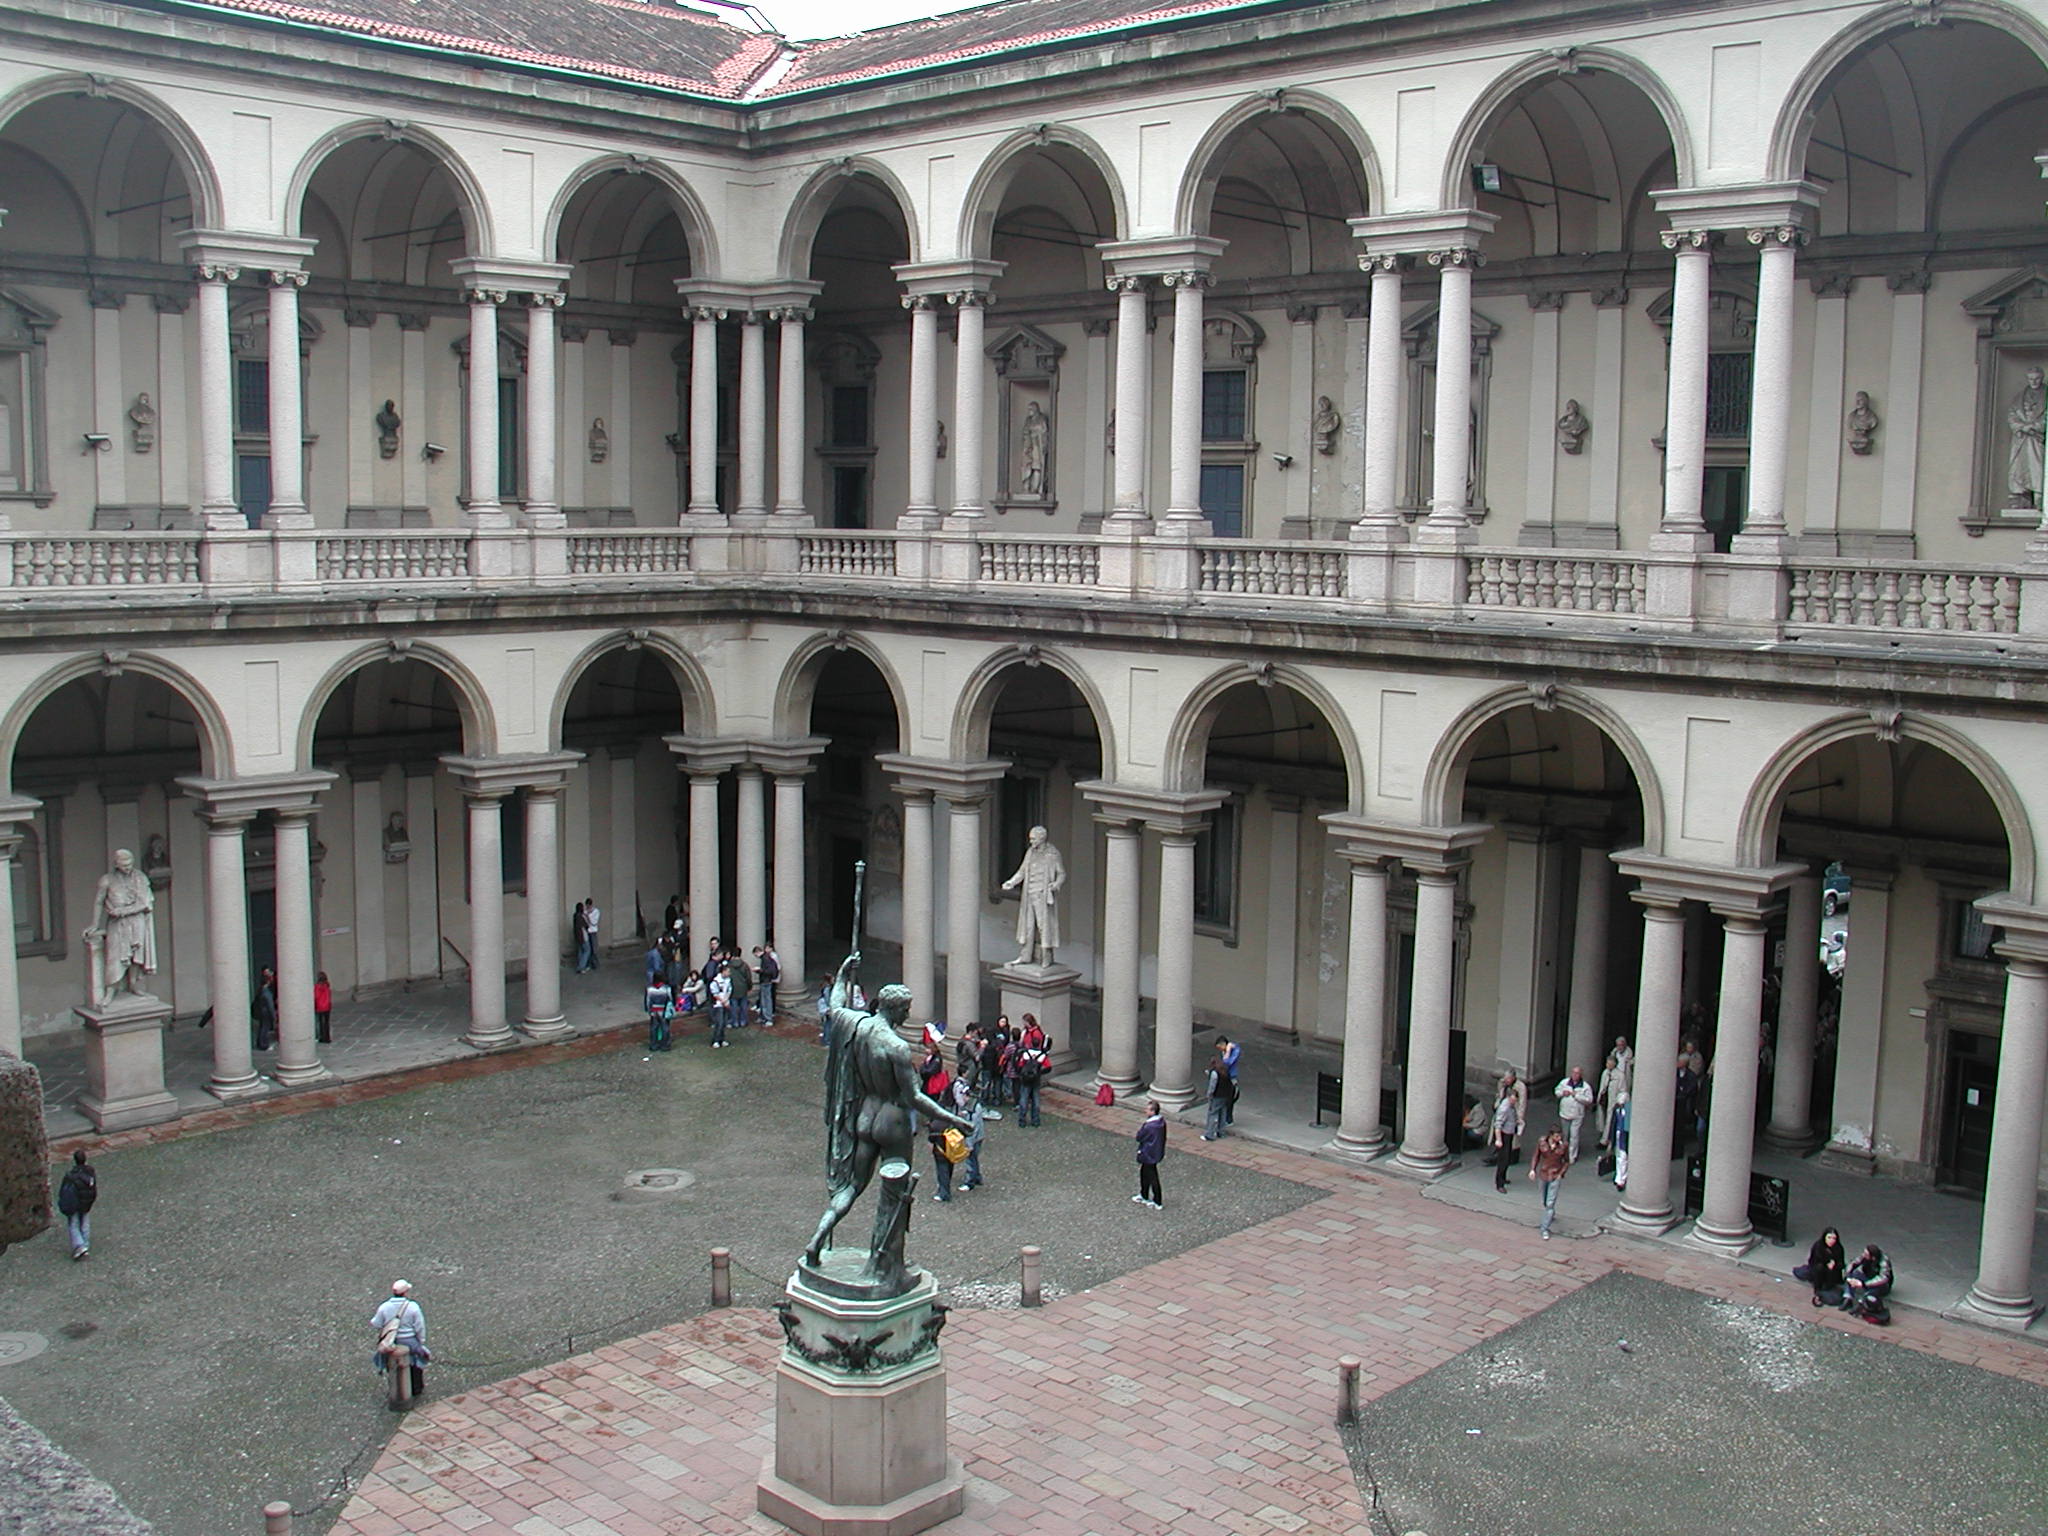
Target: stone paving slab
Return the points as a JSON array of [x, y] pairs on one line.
[[1191, 1396]]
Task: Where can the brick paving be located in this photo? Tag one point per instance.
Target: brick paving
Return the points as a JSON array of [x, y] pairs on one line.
[[1194, 1396]]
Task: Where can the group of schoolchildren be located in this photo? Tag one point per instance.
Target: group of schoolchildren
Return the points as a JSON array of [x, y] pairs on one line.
[[735, 992], [991, 1068]]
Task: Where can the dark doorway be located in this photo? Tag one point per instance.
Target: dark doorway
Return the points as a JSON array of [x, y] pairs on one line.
[[1724, 498], [1966, 1118]]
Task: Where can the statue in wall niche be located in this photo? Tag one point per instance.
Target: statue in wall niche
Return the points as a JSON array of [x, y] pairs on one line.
[[1040, 877], [388, 422], [1572, 428], [1863, 424], [1036, 437], [142, 423], [2027, 419], [397, 839], [1326, 425], [120, 945], [939, 443], [600, 441]]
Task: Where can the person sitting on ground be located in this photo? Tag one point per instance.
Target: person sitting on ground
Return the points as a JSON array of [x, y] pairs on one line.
[[1868, 1283], [1825, 1269], [1478, 1124]]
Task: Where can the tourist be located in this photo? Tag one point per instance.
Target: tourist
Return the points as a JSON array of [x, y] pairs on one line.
[[1617, 1129], [263, 1009], [935, 1133], [1614, 1081], [1574, 1098], [825, 1011], [672, 914], [742, 986], [591, 917], [1033, 1034], [1826, 1269], [967, 1104], [1232, 1053], [1507, 1125], [1867, 1284], [1151, 1152], [1033, 1062], [323, 1010], [1012, 1087], [1685, 1102], [767, 972], [1548, 1168], [656, 964], [660, 1010], [400, 1323], [1477, 1123], [721, 1009], [75, 1199], [1218, 1082]]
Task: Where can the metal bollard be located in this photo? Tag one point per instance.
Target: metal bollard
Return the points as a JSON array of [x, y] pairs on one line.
[[721, 1277], [398, 1374], [277, 1518], [1032, 1296], [1348, 1367]]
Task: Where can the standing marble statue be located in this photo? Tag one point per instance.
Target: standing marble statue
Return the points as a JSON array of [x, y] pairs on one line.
[[122, 939], [2028, 419], [871, 1089], [1037, 439], [1041, 875]]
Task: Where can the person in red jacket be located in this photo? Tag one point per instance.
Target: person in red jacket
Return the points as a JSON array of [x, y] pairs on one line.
[[323, 1010]]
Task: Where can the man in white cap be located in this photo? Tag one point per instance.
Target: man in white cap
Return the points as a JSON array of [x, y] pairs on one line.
[[400, 1323]]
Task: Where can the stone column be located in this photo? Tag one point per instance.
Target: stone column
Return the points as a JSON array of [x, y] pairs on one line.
[[2004, 1287], [216, 401], [918, 965], [1770, 395], [543, 435], [13, 812], [1365, 1009], [706, 920], [1731, 1126], [1184, 464], [1859, 1042], [488, 1030], [964, 881], [1173, 1065], [750, 878], [1586, 1021], [287, 408], [227, 954], [789, 414], [1646, 1202], [970, 375], [1791, 1124], [1382, 521], [298, 1059], [485, 511], [1423, 1146], [1684, 529], [1133, 440], [789, 883], [703, 502], [1122, 896], [751, 506], [922, 507], [544, 1019], [1451, 461]]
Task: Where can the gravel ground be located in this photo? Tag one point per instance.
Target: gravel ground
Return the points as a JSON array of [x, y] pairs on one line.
[[213, 1352], [1633, 1406]]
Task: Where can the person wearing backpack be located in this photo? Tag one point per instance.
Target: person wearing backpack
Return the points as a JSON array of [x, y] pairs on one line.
[[1032, 1062], [1221, 1092], [75, 1199], [949, 1143], [968, 1104], [742, 988]]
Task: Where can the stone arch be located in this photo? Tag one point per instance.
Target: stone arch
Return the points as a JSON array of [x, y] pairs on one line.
[[699, 702], [469, 193], [1795, 116], [479, 724], [1199, 177], [808, 210], [1757, 832], [1187, 740], [985, 194], [216, 744], [698, 229], [1443, 783], [1496, 98], [187, 148], [968, 738], [796, 688]]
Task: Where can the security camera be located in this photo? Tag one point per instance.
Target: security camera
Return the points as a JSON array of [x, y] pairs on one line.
[[1283, 459], [431, 451], [97, 442]]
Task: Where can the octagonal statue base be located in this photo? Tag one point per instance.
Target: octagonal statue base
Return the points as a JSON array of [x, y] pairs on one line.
[[860, 1408]]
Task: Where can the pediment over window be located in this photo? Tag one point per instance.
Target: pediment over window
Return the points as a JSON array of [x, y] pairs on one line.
[[1731, 318], [1418, 333], [1024, 351], [845, 357], [1228, 337], [2015, 308]]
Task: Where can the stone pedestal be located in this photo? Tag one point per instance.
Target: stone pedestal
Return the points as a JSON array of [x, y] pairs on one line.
[[124, 1064], [860, 1408], [1047, 991]]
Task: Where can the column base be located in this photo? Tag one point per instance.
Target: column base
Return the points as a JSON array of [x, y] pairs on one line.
[[1799, 1142], [1427, 1162], [1172, 1099], [499, 1039], [2015, 1313], [1728, 1242], [1122, 1087], [1650, 1223], [556, 1028], [1364, 1149], [230, 1088], [298, 1077]]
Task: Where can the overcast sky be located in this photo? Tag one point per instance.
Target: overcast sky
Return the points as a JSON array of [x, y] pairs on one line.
[[835, 18]]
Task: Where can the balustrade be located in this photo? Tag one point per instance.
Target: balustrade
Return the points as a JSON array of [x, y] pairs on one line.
[[1271, 570], [663, 553], [382, 557], [1973, 601], [837, 553], [107, 560], [1566, 583], [1040, 562]]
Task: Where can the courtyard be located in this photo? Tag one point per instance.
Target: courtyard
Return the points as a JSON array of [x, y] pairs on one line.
[[213, 1352]]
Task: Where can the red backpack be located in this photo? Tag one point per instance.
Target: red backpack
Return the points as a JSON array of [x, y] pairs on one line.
[[1105, 1095]]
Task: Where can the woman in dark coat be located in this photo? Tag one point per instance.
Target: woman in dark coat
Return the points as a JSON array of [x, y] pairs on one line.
[[1151, 1152], [1826, 1266]]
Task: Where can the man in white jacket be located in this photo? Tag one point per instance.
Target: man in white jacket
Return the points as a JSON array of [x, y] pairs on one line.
[[1574, 1098]]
